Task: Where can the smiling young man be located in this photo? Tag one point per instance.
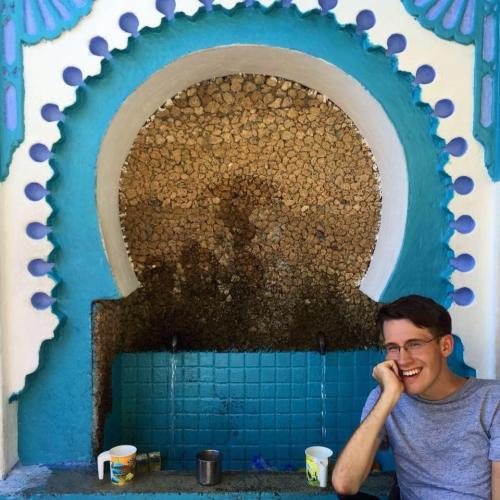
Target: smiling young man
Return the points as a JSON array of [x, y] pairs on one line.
[[444, 429]]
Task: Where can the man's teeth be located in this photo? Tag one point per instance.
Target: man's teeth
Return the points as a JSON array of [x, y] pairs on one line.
[[410, 373]]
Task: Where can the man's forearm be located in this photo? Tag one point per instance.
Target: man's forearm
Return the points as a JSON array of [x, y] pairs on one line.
[[495, 480], [355, 460]]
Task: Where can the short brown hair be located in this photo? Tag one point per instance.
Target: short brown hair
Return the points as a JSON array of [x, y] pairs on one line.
[[423, 312]]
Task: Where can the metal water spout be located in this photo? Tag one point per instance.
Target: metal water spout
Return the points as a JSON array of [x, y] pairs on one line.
[[174, 344], [321, 343]]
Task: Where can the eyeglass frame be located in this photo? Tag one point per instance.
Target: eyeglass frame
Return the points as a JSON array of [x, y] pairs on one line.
[[405, 347]]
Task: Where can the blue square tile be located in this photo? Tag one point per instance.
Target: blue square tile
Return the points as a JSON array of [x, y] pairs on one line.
[[144, 374], [252, 359], [299, 375], [237, 391], [331, 406], [269, 454], [238, 453], [283, 359], [267, 421], [283, 391], [346, 389], [129, 435], [252, 390], [161, 405], [145, 359], [252, 406], [160, 421], [221, 437], [191, 438], [253, 422], [268, 359], [283, 375], [252, 451], [298, 420], [236, 404], [220, 422], [237, 359], [268, 436], [346, 359], [129, 405], [128, 359], [161, 359], [161, 374], [221, 375], [191, 405], [252, 437], [160, 390], [267, 391], [221, 360], [191, 359], [237, 375], [207, 390], [144, 421], [206, 374], [205, 436], [190, 374], [314, 435], [283, 421], [313, 405], [221, 391], [314, 374], [299, 359], [298, 391], [237, 437], [129, 420], [283, 406], [267, 405], [267, 375], [129, 374], [129, 390], [252, 375], [207, 406], [191, 390], [298, 405], [206, 359]]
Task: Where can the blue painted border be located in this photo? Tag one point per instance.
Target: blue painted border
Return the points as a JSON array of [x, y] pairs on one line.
[[432, 15], [65, 380], [12, 75]]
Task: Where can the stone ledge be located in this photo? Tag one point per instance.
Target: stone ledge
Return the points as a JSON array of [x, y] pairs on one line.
[[82, 482]]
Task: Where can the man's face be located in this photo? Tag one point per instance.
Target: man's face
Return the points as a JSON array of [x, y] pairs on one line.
[[422, 366]]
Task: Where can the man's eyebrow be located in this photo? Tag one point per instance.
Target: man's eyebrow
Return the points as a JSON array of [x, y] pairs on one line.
[[409, 340]]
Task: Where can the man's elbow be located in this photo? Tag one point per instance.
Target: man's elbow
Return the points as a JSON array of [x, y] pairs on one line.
[[343, 486]]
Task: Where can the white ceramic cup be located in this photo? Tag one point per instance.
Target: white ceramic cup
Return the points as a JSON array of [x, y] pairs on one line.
[[317, 461], [121, 463]]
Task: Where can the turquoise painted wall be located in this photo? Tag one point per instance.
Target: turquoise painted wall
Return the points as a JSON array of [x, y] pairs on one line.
[[55, 409]]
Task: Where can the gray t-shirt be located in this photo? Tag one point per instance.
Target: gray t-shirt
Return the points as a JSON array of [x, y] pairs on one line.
[[444, 449]]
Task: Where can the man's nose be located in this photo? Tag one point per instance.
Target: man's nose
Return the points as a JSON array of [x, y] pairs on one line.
[[403, 355]]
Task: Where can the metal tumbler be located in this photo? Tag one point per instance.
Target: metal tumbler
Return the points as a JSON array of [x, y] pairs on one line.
[[209, 467]]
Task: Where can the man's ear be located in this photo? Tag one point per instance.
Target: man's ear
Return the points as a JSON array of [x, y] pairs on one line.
[[446, 344]]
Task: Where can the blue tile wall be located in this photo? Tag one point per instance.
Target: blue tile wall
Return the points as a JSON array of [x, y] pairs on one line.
[[247, 405]]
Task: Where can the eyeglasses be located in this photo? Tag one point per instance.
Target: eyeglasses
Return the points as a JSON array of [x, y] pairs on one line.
[[411, 347]]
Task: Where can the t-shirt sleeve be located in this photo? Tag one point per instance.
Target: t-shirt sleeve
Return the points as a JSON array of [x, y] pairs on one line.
[[494, 454], [369, 404]]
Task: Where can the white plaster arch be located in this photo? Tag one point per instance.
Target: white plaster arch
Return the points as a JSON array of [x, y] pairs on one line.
[[365, 111]]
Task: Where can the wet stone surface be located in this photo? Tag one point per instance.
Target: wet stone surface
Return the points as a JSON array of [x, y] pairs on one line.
[[73, 481]]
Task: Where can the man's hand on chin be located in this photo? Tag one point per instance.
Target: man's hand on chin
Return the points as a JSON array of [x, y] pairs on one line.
[[387, 375]]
